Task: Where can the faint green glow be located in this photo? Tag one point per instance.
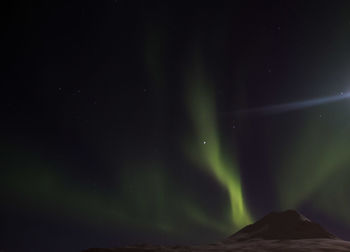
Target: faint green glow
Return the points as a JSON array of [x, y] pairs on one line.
[[37, 185], [331, 199], [320, 151], [145, 198], [208, 151]]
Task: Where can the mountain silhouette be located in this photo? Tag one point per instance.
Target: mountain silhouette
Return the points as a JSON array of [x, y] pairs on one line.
[[287, 225], [278, 231]]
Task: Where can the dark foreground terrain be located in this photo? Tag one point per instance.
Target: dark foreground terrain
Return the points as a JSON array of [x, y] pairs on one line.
[[285, 231]]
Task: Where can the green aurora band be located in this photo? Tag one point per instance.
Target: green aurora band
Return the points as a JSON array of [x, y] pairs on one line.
[[145, 192], [211, 154]]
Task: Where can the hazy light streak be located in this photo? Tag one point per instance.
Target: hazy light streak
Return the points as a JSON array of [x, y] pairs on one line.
[[286, 107]]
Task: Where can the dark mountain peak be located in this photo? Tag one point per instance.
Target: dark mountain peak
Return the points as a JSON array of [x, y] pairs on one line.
[[288, 217], [286, 225], [293, 232]]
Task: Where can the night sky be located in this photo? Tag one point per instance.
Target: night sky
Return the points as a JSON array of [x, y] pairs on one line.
[[170, 122]]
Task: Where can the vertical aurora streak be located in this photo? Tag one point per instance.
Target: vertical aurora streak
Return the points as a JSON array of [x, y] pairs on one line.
[[211, 154]]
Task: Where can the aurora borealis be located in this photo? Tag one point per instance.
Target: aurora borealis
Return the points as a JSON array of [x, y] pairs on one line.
[[126, 122], [210, 153]]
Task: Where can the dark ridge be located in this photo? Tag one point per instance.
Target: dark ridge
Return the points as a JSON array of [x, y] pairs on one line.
[[276, 232], [287, 225]]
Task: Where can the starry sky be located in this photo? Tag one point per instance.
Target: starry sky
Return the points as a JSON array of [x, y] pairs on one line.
[[127, 122]]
